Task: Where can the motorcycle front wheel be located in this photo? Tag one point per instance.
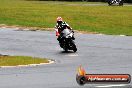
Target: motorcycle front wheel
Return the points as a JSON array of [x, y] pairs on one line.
[[74, 46], [75, 49], [109, 2]]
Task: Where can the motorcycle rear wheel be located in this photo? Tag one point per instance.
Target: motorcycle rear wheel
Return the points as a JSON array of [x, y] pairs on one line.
[[121, 3]]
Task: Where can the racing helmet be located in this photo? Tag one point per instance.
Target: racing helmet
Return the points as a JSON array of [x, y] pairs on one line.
[[59, 19]]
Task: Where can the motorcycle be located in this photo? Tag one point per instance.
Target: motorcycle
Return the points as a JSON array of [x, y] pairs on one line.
[[66, 40], [112, 2]]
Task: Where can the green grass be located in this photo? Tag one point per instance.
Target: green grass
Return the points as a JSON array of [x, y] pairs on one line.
[[101, 19], [20, 60]]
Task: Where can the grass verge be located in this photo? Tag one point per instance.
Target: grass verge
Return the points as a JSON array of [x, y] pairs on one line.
[[80, 15], [20, 60]]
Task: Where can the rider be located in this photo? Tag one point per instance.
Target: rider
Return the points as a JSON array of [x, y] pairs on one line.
[[60, 26]]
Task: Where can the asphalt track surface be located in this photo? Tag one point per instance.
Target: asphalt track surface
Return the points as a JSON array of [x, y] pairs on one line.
[[96, 53]]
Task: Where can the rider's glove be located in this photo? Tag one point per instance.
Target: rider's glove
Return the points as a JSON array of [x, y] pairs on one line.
[[72, 31]]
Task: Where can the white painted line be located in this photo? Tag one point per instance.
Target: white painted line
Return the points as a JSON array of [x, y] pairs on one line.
[[16, 28], [21, 65], [100, 34], [122, 35], [3, 27], [26, 29], [7, 66], [72, 55], [119, 85]]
